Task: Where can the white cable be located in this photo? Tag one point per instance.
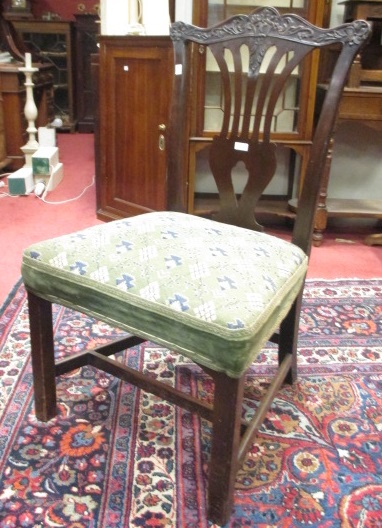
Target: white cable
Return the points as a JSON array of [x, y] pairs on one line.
[[4, 195], [69, 199]]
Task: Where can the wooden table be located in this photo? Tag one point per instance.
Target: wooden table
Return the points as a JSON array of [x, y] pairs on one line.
[[366, 9], [364, 105]]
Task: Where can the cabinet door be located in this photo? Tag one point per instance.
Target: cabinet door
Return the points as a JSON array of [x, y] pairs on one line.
[[135, 92]]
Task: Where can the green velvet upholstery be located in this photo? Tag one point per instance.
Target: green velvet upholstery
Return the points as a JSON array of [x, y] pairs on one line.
[[211, 291]]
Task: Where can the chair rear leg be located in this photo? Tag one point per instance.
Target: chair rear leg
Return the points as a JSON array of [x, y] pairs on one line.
[[42, 346], [226, 428], [288, 338]]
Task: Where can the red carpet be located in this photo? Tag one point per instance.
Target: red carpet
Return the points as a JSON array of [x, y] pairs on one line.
[[26, 219], [117, 457]]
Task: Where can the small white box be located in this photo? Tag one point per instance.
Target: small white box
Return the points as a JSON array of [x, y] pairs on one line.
[[44, 160], [21, 181], [46, 137]]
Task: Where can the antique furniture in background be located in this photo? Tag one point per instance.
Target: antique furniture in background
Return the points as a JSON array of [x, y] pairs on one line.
[[53, 42], [13, 93], [86, 33], [4, 160], [10, 40], [135, 86], [17, 9], [210, 291], [361, 103], [124, 191], [135, 76]]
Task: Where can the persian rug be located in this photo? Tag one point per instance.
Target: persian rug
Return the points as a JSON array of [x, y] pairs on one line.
[[117, 457]]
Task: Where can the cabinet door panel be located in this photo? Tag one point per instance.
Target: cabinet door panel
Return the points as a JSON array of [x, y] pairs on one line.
[[135, 91]]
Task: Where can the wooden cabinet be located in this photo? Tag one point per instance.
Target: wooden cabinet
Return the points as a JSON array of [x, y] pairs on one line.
[[87, 30], [53, 42], [135, 84]]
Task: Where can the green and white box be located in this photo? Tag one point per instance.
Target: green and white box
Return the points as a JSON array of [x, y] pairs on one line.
[[44, 160], [21, 182]]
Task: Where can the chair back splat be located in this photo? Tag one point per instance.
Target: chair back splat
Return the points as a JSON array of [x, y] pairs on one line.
[[257, 57], [214, 292]]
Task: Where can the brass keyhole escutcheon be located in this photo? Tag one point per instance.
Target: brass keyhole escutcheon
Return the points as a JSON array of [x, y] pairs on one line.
[[162, 139]]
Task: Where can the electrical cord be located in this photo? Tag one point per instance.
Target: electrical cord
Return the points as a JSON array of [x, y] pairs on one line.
[[4, 194], [42, 198]]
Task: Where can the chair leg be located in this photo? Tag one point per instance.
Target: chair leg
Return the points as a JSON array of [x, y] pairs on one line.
[[42, 345], [225, 445], [288, 338]]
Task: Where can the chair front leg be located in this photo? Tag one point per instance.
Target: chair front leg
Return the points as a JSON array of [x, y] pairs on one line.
[[42, 351], [226, 428]]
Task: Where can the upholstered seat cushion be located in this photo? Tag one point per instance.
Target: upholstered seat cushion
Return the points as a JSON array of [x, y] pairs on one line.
[[211, 291]]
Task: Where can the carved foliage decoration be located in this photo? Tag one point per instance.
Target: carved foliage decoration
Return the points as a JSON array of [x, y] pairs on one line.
[[268, 22]]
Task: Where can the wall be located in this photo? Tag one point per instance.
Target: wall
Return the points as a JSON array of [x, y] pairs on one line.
[[183, 10]]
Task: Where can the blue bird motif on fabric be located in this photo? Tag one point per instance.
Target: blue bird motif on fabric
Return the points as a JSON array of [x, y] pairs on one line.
[[79, 267], [169, 234], [226, 283], [79, 236], [126, 282], [216, 251], [236, 325], [270, 282], [125, 245], [262, 251], [179, 303], [35, 254], [173, 261], [213, 231]]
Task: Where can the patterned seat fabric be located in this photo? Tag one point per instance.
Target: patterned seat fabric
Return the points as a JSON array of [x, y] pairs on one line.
[[194, 286]]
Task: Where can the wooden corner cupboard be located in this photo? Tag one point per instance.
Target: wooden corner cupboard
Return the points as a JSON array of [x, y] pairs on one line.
[[135, 85]]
